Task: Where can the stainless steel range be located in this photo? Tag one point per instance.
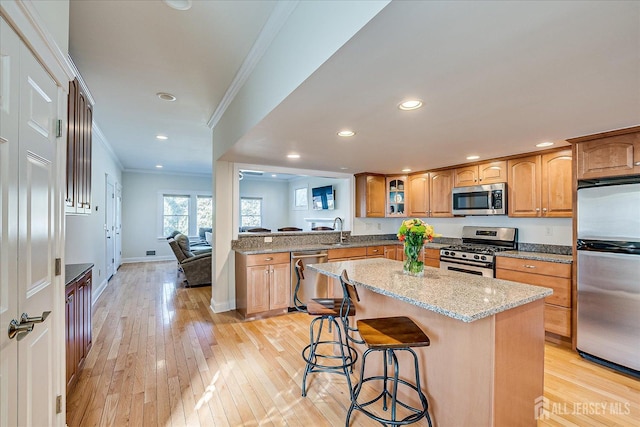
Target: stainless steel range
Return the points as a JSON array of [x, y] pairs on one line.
[[476, 254]]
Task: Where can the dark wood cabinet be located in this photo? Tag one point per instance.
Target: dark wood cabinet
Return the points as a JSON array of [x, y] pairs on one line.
[[79, 120], [77, 325]]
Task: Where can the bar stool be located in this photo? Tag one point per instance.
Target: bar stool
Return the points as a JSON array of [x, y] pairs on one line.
[[388, 336], [320, 355]]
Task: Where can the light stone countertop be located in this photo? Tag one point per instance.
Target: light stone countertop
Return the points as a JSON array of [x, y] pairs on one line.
[[458, 295], [537, 256], [322, 246]]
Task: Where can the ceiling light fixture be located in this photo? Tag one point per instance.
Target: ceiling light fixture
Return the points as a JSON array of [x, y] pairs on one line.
[[344, 168], [346, 133], [545, 144], [406, 170], [473, 157], [274, 175], [159, 166], [410, 104], [162, 137], [178, 4], [293, 156], [166, 96]]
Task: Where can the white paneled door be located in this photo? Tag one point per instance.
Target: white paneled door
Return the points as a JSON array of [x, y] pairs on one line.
[[109, 226], [29, 104]]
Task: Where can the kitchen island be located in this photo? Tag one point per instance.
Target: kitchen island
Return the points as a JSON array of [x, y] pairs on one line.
[[485, 364]]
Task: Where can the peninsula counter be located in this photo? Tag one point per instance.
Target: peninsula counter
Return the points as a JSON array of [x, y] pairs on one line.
[[485, 364]]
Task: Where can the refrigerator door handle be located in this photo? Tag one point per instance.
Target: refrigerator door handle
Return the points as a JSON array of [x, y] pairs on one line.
[[631, 248]]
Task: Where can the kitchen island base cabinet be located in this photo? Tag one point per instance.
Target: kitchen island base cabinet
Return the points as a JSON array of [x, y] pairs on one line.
[[263, 284], [473, 373]]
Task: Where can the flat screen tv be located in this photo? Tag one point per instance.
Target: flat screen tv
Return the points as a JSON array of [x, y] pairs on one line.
[[323, 197]]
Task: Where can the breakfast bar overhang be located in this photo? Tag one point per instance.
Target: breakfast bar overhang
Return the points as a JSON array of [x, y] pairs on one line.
[[485, 364]]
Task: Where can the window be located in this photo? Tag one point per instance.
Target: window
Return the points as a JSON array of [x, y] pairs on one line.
[[184, 212], [250, 212]]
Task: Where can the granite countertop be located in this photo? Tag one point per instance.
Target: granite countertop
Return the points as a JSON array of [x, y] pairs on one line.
[[457, 295], [321, 246], [73, 271], [538, 256]]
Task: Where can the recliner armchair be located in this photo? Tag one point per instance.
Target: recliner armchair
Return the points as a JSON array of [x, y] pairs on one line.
[[196, 268]]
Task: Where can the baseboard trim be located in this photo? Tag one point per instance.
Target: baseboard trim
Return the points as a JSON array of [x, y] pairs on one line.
[[98, 290], [221, 307]]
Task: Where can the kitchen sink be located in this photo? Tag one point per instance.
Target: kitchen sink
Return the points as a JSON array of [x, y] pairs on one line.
[[335, 244]]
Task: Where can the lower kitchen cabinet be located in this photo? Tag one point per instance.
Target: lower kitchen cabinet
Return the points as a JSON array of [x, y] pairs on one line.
[[432, 257], [77, 325], [557, 276], [263, 283]]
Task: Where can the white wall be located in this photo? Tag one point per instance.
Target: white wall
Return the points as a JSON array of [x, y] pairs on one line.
[[275, 201], [55, 16], [342, 188], [85, 237], [140, 214]]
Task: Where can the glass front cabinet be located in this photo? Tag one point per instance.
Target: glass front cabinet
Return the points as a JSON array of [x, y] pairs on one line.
[[397, 193]]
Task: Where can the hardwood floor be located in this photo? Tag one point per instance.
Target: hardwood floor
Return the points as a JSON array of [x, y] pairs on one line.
[[161, 357]]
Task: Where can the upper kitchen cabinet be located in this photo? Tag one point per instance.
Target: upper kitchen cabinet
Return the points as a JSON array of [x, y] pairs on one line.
[[540, 185], [485, 173], [430, 194], [79, 119], [370, 195], [397, 196], [609, 154]]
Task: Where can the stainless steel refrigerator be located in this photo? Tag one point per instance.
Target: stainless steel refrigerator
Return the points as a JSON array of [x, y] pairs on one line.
[[608, 265]]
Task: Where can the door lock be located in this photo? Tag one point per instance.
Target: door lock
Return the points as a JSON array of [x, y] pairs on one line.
[[26, 324], [19, 330]]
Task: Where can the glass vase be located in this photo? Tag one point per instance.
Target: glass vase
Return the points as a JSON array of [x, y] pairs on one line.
[[413, 265]]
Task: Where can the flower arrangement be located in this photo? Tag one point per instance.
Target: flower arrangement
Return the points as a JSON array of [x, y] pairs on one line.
[[415, 233]]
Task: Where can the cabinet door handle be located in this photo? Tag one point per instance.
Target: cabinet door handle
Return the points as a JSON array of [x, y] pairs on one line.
[[268, 259], [636, 164], [375, 250], [529, 266]]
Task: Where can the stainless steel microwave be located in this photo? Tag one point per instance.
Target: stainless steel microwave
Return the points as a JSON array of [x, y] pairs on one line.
[[490, 199]]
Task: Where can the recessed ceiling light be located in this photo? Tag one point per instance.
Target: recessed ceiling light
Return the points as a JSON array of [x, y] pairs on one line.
[[178, 4], [159, 166], [473, 157], [344, 168], [406, 170], [166, 96], [410, 104], [346, 133], [273, 175], [545, 144], [162, 137], [293, 156]]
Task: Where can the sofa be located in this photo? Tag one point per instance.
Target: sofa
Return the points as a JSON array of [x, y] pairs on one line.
[[196, 267]]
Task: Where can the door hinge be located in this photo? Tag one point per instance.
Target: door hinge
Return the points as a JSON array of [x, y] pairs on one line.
[[58, 267], [58, 128], [58, 404]]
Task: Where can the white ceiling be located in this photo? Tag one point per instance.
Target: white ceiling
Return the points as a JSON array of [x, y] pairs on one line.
[[496, 78]]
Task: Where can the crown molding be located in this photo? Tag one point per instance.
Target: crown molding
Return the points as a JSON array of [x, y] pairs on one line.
[[158, 172], [105, 143], [272, 27], [83, 85]]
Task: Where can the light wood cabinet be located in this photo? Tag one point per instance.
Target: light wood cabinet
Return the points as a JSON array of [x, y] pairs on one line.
[[375, 251], [608, 154], [485, 173], [391, 252], [540, 185], [346, 254], [397, 196], [77, 325], [370, 195], [263, 283], [432, 257], [430, 194], [79, 134], [548, 274]]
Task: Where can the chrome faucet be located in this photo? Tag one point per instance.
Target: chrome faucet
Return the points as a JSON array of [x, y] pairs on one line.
[[336, 219]]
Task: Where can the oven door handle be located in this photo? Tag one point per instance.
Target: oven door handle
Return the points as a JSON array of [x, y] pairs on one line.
[[471, 263]]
